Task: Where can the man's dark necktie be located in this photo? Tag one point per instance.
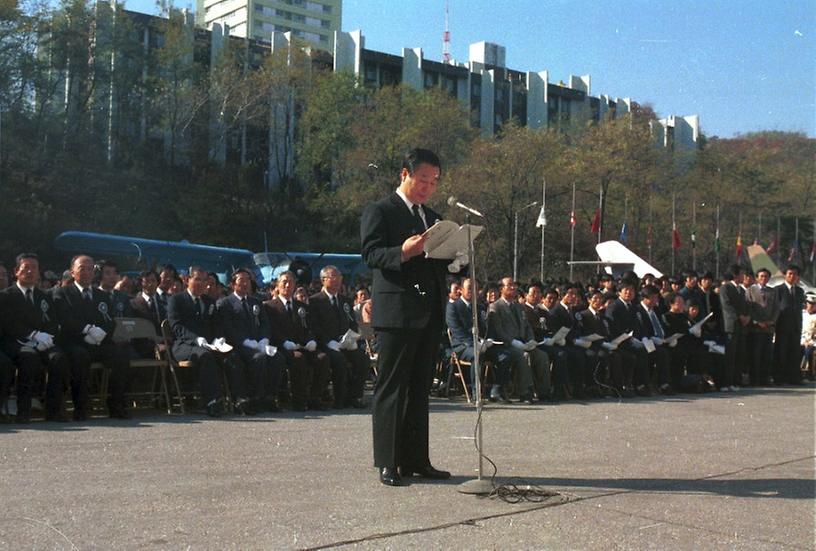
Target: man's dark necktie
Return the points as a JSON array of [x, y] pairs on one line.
[[199, 311], [420, 225], [30, 296], [245, 306], [86, 294]]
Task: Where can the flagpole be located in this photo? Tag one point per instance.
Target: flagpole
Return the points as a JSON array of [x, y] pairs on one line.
[[651, 226], [600, 217], [543, 210], [739, 237], [778, 240], [674, 229], [693, 230], [572, 230], [759, 231], [717, 244], [796, 241]]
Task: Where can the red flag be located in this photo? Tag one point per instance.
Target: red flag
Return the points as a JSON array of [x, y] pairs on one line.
[[596, 222], [572, 218], [813, 252], [739, 247], [675, 238]]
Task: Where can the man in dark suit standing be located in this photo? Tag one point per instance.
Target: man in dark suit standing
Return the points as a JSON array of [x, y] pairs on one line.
[[791, 300], [735, 318], [332, 317], [30, 329], [86, 317], [196, 324], [246, 328], [408, 306]]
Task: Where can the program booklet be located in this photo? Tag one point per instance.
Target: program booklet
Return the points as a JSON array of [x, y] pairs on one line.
[[446, 238]]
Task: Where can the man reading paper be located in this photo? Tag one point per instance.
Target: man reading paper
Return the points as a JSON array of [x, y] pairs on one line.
[[408, 307]]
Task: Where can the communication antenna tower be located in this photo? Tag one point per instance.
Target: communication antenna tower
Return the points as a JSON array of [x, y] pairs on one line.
[[446, 55]]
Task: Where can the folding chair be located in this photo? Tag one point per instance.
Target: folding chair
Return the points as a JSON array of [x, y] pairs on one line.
[[459, 363], [167, 334], [129, 329]]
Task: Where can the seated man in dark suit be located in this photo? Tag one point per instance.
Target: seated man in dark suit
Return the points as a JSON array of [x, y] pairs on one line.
[[106, 276], [507, 323], [650, 327], [246, 327], [84, 314], [602, 354], [459, 319], [620, 319], [539, 319], [146, 304], [30, 330], [561, 315], [291, 332], [196, 326], [332, 317]]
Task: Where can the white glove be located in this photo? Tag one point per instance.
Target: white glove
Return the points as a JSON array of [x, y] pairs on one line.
[[609, 346], [250, 343], [333, 345], [583, 343], [709, 343], [270, 350], [97, 333], [201, 341], [289, 345], [657, 341], [561, 342], [530, 345], [90, 340], [44, 340], [460, 261], [673, 343], [489, 343], [696, 331], [482, 346], [352, 345], [547, 341], [262, 344], [517, 344], [311, 346]]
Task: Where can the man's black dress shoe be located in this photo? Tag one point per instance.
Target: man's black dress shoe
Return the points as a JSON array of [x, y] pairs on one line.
[[390, 476], [425, 472]]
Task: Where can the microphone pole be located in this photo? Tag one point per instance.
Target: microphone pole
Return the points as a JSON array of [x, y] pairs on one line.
[[478, 485]]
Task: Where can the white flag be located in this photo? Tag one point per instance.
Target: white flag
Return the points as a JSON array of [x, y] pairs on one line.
[[542, 218]]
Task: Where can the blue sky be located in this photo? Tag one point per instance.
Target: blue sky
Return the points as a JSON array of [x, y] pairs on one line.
[[742, 65]]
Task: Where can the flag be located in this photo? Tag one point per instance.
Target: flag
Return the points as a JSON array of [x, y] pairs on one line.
[[596, 222], [623, 233], [717, 241], [739, 247], [572, 218], [542, 218], [813, 252], [773, 246], [675, 238], [793, 249], [693, 238]]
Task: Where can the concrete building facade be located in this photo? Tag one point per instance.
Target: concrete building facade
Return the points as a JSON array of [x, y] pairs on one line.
[[312, 21]]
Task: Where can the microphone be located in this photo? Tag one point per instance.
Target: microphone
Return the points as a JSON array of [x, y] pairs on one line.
[[454, 202]]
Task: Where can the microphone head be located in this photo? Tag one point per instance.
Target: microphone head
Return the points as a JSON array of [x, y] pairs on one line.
[[452, 200]]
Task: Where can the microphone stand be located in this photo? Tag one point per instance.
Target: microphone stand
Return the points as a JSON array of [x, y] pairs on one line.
[[478, 485]]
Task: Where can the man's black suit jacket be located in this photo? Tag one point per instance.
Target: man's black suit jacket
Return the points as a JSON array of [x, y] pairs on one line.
[[156, 314], [620, 318], [790, 309], [459, 319], [295, 327], [21, 318], [74, 313], [189, 323], [329, 323], [240, 324], [404, 295], [560, 317]]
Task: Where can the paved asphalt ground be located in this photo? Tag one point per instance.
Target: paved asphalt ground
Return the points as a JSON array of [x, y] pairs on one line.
[[724, 471]]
